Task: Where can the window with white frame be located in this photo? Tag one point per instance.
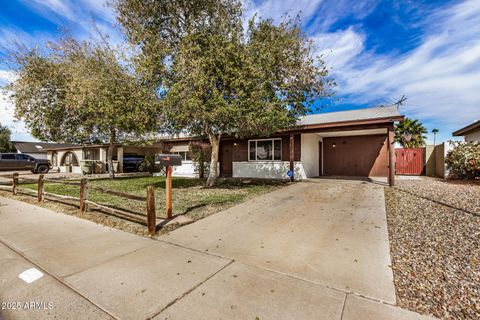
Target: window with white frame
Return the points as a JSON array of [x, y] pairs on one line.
[[185, 155], [89, 154], [265, 150]]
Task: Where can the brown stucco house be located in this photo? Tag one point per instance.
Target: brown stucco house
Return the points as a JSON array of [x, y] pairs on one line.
[[346, 143]]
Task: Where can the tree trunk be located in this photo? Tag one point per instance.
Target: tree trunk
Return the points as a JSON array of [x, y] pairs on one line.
[[215, 143], [111, 146], [201, 166]]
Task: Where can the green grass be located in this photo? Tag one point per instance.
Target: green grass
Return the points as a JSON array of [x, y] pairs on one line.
[[189, 195]]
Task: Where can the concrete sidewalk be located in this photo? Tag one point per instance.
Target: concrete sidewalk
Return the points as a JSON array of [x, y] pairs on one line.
[[94, 272]]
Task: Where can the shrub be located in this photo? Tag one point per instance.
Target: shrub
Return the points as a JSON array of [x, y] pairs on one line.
[[464, 160], [148, 164], [200, 153]]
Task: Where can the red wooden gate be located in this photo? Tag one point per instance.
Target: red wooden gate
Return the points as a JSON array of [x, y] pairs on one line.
[[410, 161]]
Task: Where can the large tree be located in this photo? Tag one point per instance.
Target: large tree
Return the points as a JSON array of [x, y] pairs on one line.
[[82, 92], [217, 78], [5, 143], [410, 133]]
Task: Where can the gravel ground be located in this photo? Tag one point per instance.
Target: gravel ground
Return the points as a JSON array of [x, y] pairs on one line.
[[463, 195], [435, 249]]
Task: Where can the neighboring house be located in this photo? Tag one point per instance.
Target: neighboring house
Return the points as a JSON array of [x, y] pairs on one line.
[[470, 132], [68, 159], [345, 143], [37, 150]]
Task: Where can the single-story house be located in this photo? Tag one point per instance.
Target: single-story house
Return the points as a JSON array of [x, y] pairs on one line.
[[345, 143], [470, 132], [68, 159], [38, 150]]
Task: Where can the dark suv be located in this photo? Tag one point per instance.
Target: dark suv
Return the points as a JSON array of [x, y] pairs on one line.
[[132, 162], [18, 161]]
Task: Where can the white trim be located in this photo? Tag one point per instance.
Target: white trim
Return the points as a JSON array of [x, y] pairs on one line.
[[273, 149], [184, 156], [182, 147], [267, 169]]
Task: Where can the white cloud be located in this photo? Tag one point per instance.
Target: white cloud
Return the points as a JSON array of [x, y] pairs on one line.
[[339, 49], [58, 11], [80, 16], [52, 9], [6, 76], [11, 38], [440, 77], [276, 9], [7, 109]]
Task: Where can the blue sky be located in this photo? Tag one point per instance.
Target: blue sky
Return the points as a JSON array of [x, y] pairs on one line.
[[377, 50]]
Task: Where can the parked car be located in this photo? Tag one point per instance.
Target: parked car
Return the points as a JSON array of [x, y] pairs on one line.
[[18, 161], [132, 163]]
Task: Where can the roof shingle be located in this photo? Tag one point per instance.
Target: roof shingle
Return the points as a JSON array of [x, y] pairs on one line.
[[38, 147], [350, 115]]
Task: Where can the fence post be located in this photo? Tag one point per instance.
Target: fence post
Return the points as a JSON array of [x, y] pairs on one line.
[[41, 189], [151, 215], [83, 194], [15, 183], [168, 193]]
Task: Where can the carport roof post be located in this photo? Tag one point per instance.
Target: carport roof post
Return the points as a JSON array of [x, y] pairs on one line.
[[120, 159], [391, 158], [292, 156]]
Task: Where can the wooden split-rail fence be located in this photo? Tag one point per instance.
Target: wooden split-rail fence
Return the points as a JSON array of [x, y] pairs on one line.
[[149, 219]]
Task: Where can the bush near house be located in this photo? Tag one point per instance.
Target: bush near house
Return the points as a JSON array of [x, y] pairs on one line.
[[200, 153], [464, 160]]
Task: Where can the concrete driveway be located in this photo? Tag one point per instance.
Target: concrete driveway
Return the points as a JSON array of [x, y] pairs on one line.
[[332, 233]]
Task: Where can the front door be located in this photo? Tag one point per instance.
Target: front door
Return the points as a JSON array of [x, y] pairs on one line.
[[226, 148]]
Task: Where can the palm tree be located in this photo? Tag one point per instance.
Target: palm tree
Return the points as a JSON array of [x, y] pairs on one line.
[[410, 133], [434, 131]]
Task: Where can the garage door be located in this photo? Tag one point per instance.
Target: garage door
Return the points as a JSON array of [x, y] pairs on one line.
[[356, 156]]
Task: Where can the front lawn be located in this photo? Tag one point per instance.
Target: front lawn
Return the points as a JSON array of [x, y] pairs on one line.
[[434, 230], [189, 196]]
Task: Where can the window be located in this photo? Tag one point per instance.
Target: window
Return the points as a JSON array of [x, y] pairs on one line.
[[89, 154], [185, 155], [8, 156], [69, 159], [265, 150], [23, 157]]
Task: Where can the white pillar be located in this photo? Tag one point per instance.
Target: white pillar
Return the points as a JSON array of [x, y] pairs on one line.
[[120, 159], [103, 158]]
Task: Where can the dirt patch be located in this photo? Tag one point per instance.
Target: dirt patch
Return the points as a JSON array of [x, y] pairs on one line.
[[435, 248]]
